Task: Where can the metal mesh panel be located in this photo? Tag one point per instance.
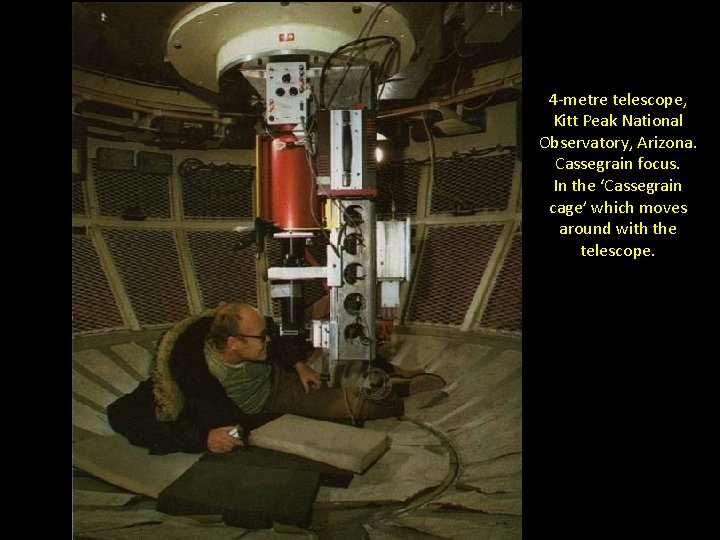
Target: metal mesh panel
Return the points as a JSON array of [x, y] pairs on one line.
[[123, 193], [78, 197], [472, 183], [150, 269], [398, 181], [223, 274], [450, 268], [93, 304], [219, 194], [504, 307]]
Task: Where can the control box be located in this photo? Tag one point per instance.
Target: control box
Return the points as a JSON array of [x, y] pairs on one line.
[[286, 93]]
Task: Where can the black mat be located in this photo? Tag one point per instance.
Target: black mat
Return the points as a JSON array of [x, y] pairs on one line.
[[247, 496], [273, 459]]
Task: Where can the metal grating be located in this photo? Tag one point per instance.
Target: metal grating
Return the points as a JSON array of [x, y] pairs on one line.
[[398, 181], [504, 307], [219, 193], [450, 268], [78, 197], [93, 303], [148, 264], [472, 184], [223, 273], [131, 194]]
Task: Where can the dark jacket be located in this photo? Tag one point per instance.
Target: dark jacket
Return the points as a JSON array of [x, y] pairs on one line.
[[181, 401], [175, 408]]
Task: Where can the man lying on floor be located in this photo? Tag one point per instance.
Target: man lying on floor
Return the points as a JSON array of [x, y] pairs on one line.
[[217, 370]]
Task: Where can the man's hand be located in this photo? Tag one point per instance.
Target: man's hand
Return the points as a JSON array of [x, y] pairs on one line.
[[220, 441], [308, 377]]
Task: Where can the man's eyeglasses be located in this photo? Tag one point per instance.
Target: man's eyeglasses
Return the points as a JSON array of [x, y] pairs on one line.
[[262, 335]]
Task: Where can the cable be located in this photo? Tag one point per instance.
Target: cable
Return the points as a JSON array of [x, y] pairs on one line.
[[366, 341], [392, 178], [348, 217], [267, 131], [455, 78], [394, 50], [379, 390], [365, 73], [189, 167], [340, 235], [484, 103], [348, 64], [344, 389], [337, 51], [457, 40], [369, 70], [431, 144], [374, 18], [346, 70], [308, 158], [343, 210], [392, 200], [481, 105], [309, 144], [342, 230]]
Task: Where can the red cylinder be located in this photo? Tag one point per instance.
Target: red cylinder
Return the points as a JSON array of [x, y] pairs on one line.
[[288, 192]]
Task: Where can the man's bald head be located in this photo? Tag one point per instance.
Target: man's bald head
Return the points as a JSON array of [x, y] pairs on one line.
[[232, 318]]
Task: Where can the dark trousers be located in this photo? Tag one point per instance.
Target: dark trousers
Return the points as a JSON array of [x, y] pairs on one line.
[[288, 396]]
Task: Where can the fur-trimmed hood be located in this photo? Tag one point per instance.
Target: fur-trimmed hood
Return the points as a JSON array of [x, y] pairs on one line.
[[169, 399]]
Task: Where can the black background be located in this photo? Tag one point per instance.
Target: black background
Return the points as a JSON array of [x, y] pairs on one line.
[[618, 353]]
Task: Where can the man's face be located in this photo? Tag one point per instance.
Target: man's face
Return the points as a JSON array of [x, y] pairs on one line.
[[250, 341]]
